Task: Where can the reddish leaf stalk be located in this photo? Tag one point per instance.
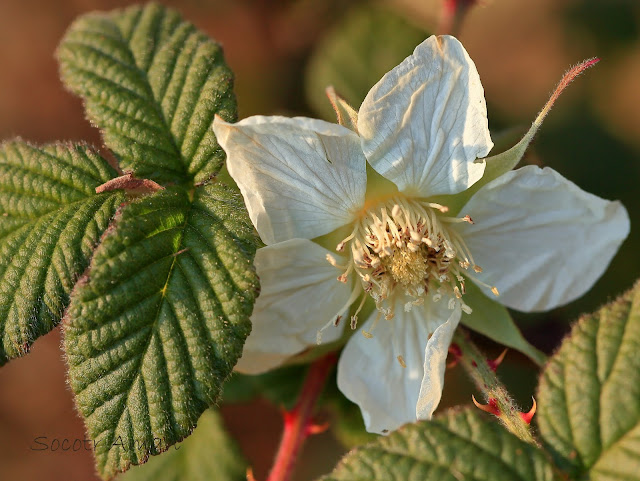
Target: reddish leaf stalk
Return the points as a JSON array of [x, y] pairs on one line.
[[298, 423]]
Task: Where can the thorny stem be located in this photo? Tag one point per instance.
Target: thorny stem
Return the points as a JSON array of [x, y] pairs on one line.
[[298, 423], [481, 371]]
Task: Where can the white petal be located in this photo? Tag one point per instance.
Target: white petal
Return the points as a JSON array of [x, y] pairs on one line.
[[435, 362], [425, 122], [300, 178], [370, 374], [299, 295], [540, 239]]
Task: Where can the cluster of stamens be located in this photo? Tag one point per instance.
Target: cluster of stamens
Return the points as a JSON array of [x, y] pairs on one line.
[[405, 249]]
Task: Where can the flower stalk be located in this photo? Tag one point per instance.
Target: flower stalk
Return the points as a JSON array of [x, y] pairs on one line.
[[299, 423], [499, 402]]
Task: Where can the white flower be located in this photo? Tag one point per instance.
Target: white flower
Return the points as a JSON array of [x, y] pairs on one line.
[[537, 237]]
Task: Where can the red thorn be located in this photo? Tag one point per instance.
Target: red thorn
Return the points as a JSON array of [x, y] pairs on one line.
[[493, 364], [314, 428], [527, 417], [250, 476], [491, 407]]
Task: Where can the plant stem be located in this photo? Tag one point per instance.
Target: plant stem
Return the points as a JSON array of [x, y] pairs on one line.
[[298, 423], [481, 370]]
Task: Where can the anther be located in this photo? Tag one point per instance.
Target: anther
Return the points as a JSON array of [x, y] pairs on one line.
[[354, 322], [401, 361], [366, 334], [456, 292], [342, 278], [332, 261], [337, 321], [478, 269], [466, 309], [495, 291], [468, 219]]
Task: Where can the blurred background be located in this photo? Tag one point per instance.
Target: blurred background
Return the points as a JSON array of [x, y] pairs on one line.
[[283, 54]]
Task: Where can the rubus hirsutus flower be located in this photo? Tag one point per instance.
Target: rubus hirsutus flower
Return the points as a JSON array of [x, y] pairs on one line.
[[529, 237]]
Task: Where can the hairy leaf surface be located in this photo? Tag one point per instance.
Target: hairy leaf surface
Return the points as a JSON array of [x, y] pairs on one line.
[[589, 394], [458, 446], [153, 83], [51, 220], [159, 321]]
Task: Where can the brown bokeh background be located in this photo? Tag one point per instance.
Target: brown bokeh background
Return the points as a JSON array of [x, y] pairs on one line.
[[521, 48]]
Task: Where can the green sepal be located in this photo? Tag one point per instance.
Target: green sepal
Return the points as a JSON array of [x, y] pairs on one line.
[[492, 319]]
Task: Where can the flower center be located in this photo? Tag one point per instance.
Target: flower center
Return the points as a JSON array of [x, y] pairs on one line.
[[404, 249], [407, 267]]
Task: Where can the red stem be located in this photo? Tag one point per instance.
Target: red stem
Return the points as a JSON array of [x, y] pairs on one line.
[[298, 423]]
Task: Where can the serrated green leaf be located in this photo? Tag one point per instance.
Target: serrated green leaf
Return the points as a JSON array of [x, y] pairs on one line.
[[153, 83], [50, 222], [364, 46], [455, 447], [208, 454], [492, 319], [160, 320], [589, 395]]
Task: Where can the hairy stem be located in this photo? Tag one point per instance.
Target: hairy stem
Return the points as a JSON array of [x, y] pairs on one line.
[[298, 423], [499, 402]]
